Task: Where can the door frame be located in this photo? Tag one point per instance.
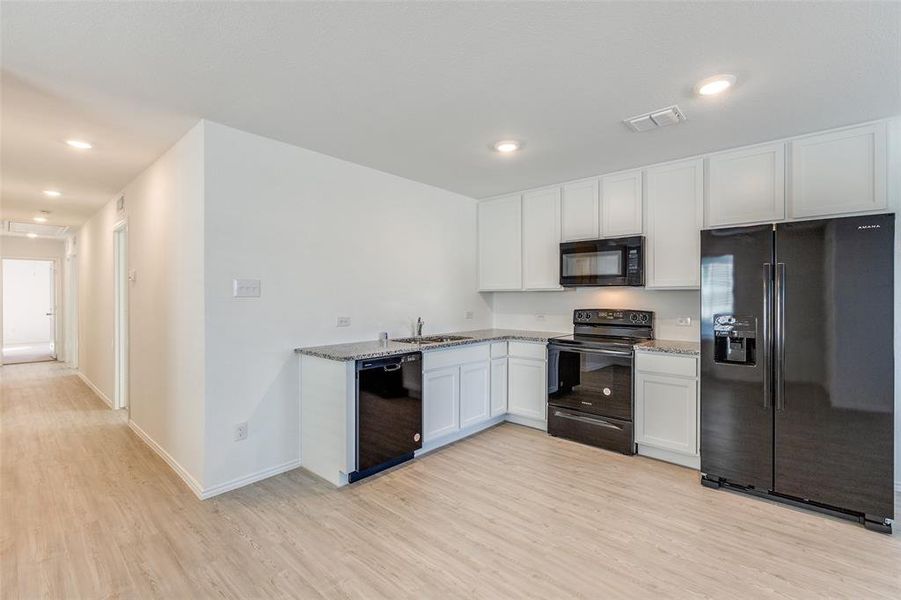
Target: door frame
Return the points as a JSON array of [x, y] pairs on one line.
[[120, 315], [57, 291]]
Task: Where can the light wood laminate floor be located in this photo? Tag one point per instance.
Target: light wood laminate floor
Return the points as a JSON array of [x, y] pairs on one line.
[[88, 511]]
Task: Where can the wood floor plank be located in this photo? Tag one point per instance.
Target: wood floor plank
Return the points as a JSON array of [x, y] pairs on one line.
[[88, 511]]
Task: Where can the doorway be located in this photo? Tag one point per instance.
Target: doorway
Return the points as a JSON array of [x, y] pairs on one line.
[[120, 284], [29, 310]]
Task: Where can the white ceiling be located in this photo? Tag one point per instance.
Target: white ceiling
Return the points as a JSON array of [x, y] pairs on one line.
[[423, 89]]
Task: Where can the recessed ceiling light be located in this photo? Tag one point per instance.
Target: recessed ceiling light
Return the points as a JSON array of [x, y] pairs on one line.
[[715, 85], [53, 193], [42, 218], [81, 145], [507, 146], [31, 235]]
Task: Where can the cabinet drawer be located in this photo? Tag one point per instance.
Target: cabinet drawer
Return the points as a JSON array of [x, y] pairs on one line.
[[666, 364], [438, 359], [498, 349], [528, 350]]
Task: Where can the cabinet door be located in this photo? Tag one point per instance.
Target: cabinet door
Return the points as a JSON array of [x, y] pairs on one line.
[[673, 245], [440, 402], [500, 244], [475, 392], [666, 412], [498, 386], [527, 388], [621, 204], [580, 214], [838, 172], [746, 186], [541, 239]]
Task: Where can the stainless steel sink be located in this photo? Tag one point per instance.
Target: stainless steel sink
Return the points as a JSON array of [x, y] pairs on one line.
[[433, 339]]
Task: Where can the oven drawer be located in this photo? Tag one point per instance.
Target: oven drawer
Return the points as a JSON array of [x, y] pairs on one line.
[[585, 428]]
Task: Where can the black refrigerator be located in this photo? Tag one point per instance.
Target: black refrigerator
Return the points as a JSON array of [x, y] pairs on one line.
[[797, 370]]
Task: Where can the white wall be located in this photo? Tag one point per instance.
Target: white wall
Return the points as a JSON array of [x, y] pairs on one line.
[[164, 207], [327, 238], [523, 310]]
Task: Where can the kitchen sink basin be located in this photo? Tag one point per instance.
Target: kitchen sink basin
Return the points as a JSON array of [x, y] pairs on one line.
[[433, 339]]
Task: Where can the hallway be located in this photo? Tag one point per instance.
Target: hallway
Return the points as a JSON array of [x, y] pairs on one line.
[[89, 511]]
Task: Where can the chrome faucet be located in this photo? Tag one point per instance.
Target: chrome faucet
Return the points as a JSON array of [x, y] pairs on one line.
[[419, 325]]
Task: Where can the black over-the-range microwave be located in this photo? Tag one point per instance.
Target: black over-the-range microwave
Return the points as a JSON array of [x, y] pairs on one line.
[[615, 261]]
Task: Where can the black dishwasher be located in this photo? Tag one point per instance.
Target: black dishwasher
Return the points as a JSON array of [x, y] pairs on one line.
[[389, 412]]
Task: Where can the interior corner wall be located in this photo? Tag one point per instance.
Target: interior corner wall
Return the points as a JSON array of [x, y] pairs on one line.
[[327, 238], [164, 211]]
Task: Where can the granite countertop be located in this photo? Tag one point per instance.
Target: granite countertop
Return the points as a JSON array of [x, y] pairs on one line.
[[375, 349], [670, 347]]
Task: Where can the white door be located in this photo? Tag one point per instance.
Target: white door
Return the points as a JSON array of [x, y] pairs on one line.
[[475, 393], [527, 388], [746, 186], [673, 195], [498, 386], [500, 244], [838, 172], [120, 269], [666, 412], [29, 298], [580, 218], [621, 204], [541, 239], [440, 402]]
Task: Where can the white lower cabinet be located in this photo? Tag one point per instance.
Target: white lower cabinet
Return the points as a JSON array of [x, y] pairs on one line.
[[441, 403], [498, 386], [666, 407], [475, 393], [527, 388]]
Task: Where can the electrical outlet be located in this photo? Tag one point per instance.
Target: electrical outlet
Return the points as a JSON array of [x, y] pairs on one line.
[[342, 322], [469, 314], [683, 321], [245, 288], [539, 317], [240, 432]]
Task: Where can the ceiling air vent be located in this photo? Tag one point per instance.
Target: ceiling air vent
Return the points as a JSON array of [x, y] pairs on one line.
[[36, 228], [656, 118]]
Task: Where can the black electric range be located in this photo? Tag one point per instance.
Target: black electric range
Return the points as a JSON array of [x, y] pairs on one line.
[[590, 377]]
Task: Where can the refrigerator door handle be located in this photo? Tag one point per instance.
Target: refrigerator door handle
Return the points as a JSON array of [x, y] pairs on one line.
[[779, 332], [767, 335]]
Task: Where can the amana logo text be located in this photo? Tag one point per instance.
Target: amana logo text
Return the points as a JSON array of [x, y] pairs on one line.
[[869, 226]]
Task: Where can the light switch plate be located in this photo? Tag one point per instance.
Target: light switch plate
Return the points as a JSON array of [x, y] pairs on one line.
[[683, 321], [246, 288]]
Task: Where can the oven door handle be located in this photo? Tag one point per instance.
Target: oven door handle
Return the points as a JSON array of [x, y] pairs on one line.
[[591, 350], [584, 419]]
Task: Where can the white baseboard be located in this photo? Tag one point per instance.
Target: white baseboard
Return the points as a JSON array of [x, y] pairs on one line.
[[248, 479], [458, 435], [94, 388], [527, 421], [684, 460], [173, 464]]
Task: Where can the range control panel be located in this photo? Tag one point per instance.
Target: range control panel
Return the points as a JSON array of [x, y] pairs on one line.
[[612, 316]]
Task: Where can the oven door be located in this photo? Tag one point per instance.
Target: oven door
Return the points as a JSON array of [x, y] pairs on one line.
[[602, 262], [588, 380]]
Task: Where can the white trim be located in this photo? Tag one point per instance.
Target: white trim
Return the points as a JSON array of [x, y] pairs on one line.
[[94, 388], [248, 479], [527, 421], [173, 464], [692, 461]]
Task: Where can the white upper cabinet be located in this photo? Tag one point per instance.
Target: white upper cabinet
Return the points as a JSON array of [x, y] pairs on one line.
[[621, 204], [581, 211], [500, 244], [746, 186], [838, 172], [673, 194], [541, 239]]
